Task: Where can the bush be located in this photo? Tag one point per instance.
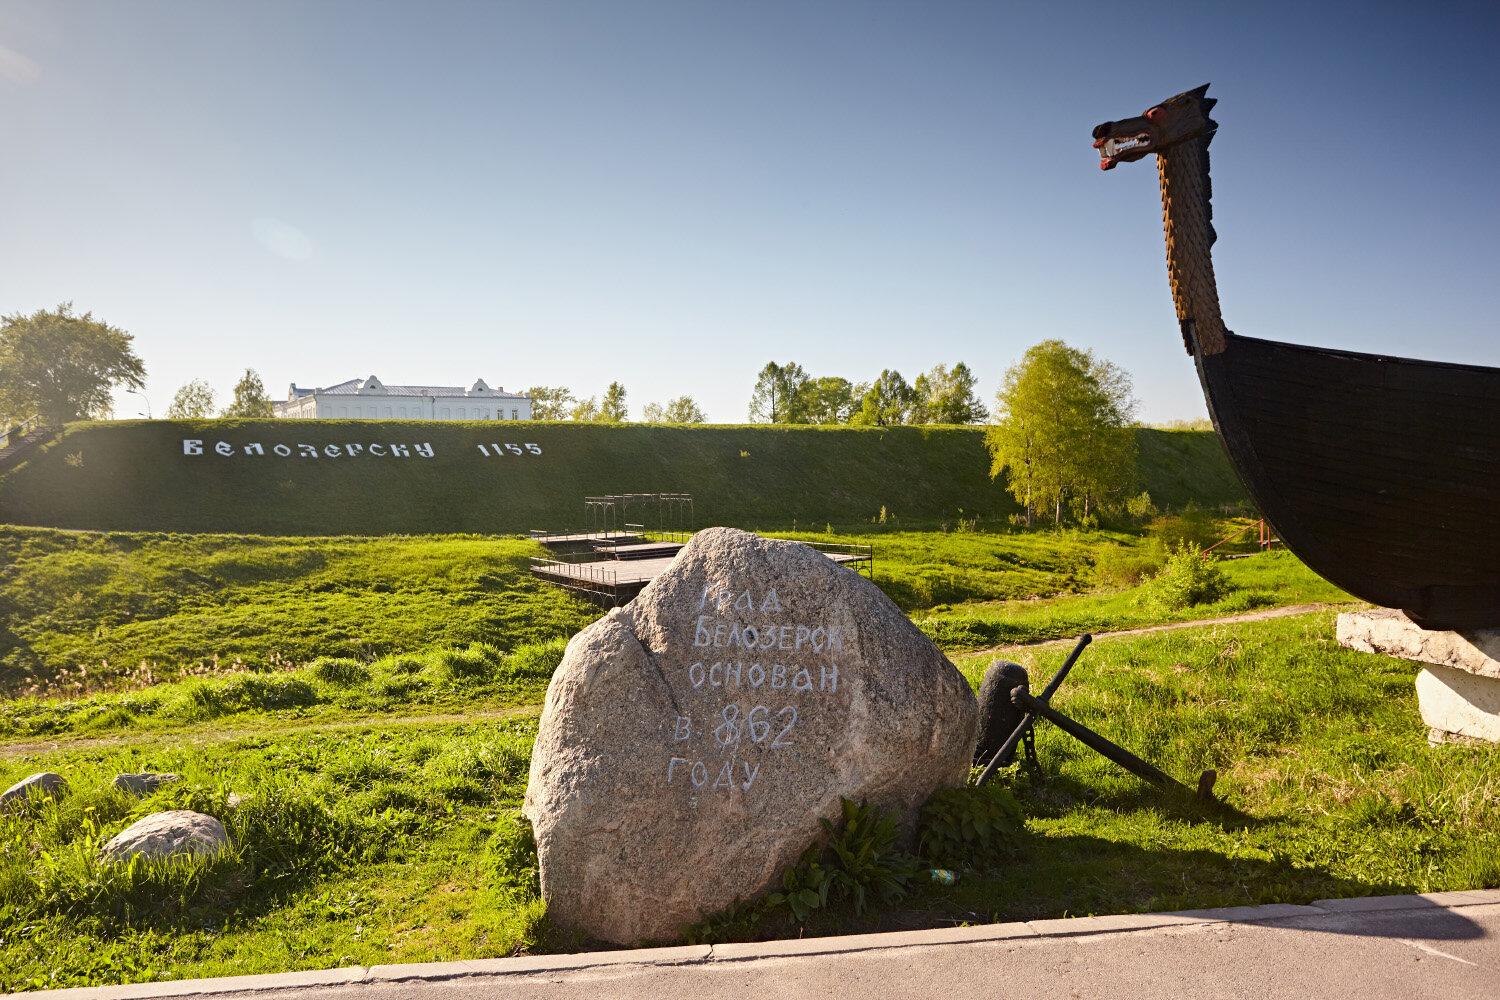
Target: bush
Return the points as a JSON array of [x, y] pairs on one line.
[[479, 662], [340, 671], [536, 659], [1126, 566], [1191, 527], [1186, 580], [968, 827], [402, 663]]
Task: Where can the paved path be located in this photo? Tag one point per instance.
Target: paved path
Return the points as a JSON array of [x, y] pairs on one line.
[[1441, 945], [1248, 616]]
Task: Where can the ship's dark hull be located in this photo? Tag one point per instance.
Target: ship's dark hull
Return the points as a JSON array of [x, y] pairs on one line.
[[1382, 474]]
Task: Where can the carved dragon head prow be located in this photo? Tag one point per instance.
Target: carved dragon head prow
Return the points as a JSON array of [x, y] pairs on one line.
[[1179, 131], [1170, 123]]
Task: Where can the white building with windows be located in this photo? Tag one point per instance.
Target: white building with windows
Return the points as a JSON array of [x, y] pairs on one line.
[[372, 399]]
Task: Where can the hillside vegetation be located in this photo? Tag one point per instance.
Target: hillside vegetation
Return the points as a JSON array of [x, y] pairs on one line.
[[261, 476], [85, 611]]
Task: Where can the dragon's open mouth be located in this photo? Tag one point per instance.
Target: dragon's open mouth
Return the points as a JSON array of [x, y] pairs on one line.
[[1123, 148]]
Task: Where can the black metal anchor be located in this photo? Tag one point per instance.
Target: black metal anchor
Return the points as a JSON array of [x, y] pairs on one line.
[[1040, 707]]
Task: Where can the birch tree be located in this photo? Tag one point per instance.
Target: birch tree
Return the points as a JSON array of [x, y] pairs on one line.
[[1062, 437]]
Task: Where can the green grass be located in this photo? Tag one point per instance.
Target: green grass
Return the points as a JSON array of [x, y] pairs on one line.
[[1323, 761], [98, 611], [380, 718], [920, 569], [90, 611], [447, 679], [358, 846], [134, 475], [1266, 580], [365, 842]]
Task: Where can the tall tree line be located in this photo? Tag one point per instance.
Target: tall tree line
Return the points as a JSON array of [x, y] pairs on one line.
[[787, 394]]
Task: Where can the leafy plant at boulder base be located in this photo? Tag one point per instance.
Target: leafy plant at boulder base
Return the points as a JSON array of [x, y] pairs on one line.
[[1186, 580], [866, 859], [805, 885], [859, 861], [969, 827]]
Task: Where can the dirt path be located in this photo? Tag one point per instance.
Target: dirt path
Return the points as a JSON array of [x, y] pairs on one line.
[[1248, 616], [186, 736], [222, 735]]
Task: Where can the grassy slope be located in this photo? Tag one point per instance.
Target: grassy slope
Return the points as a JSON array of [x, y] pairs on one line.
[[1178, 467], [133, 475], [76, 600], [95, 605]]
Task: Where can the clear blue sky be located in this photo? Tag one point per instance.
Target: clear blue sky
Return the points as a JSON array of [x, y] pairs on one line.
[[672, 192]]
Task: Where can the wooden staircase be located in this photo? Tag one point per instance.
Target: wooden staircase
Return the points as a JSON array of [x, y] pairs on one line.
[[20, 439]]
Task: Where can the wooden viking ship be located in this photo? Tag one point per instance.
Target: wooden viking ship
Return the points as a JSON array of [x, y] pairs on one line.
[[1381, 473]]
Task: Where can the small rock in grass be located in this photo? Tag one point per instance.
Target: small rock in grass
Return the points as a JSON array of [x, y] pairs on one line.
[[39, 784], [177, 833], [143, 784]]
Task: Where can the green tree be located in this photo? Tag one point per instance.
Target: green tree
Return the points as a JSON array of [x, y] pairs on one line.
[[888, 401], [193, 401], [250, 399], [585, 410], [613, 410], [63, 366], [550, 402], [945, 396], [778, 396], [831, 399], [1062, 436], [682, 410]]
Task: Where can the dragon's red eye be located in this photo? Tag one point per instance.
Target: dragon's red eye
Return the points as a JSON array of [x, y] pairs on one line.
[[1155, 115]]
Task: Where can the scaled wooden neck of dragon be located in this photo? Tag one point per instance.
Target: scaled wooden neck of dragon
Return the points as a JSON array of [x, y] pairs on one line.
[[1187, 217]]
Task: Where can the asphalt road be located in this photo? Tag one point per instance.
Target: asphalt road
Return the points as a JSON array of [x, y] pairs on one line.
[[1445, 945]]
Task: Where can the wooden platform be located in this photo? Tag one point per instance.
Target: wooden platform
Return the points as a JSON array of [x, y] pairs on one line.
[[614, 582], [640, 550], [587, 538]]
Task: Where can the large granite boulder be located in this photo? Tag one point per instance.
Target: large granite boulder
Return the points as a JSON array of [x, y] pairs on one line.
[[34, 786], [691, 741], [175, 833]]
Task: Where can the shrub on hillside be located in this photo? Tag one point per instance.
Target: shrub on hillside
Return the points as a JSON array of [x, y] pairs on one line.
[[1186, 580], [1191, 527], [536, 659], [479, 662], [1122, 566], [340, 671]]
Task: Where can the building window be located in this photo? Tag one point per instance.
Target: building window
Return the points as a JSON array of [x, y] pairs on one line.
[[515, 414], [343, 411], [387, 411], [445, 414]]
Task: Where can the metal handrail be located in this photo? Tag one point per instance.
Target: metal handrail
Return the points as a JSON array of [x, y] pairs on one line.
[[22, 429], [1265, 537]]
